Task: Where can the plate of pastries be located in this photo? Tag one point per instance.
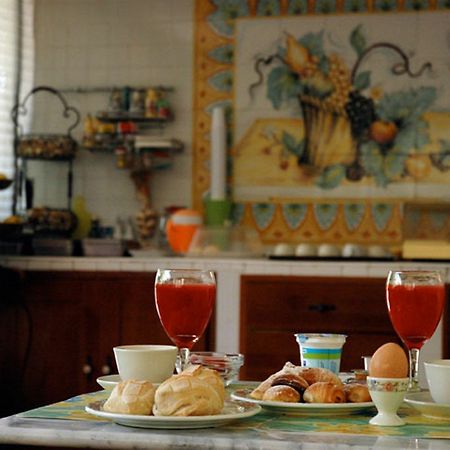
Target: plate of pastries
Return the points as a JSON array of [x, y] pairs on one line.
[[195, 398], [307, 391]]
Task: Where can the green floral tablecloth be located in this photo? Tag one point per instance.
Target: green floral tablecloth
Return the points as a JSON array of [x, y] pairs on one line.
[[417, 426]]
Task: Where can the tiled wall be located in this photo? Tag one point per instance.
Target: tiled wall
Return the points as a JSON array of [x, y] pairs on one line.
[[98, 43], [91, 43]]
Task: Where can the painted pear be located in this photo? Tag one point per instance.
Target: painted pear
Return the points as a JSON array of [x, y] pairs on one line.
[[297, 56]]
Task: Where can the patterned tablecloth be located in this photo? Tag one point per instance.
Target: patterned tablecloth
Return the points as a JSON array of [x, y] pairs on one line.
[[417, 426]]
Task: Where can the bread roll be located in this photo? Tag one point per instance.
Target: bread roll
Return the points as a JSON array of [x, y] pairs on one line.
[[211, 376], [315, 374], [187, 395], [357, 393], [131, 397], [324, 392], [282, 394]]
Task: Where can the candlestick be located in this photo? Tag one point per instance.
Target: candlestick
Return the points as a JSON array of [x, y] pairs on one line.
[[218, 155]]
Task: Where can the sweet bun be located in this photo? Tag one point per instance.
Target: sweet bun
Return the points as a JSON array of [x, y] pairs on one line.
[[282, 393], [131, 397], [187, 395], [316, 374], [357, 393], [288, 368], [292, 380]]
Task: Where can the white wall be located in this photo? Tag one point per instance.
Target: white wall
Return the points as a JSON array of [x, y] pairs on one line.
[[95, 43]]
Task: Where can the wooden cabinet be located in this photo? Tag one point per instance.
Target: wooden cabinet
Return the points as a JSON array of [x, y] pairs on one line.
[[65, 331], [273, 308]]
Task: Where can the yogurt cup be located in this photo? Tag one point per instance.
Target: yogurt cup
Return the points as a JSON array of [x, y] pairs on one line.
[[321, 350]]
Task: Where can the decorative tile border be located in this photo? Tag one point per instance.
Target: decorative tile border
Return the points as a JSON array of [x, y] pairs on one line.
[[213, 84]]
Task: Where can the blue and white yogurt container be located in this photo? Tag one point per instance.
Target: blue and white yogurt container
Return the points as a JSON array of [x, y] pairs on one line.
[[321, 350]]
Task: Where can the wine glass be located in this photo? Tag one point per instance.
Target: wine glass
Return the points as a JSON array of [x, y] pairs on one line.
[[415, 300], [184, 300]]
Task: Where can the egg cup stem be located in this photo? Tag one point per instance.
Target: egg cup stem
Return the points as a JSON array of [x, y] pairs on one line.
[[413, 385]]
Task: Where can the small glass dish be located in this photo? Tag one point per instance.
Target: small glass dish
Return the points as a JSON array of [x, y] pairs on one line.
[[227, 364]]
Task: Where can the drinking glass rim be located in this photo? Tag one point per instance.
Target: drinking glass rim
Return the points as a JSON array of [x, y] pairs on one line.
[[190, 271], [391, 275]]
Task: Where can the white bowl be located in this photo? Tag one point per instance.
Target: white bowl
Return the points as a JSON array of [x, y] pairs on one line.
[[284, 250], [438, 378], [329, 250], [353, 251], [304, 250]]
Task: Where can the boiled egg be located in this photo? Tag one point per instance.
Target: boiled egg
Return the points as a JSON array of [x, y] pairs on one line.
[[389, 361]]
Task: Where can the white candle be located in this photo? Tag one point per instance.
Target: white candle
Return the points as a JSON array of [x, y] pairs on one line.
[[218, 163]]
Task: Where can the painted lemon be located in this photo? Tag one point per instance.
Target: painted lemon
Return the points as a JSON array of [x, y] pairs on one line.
[[418, 166]]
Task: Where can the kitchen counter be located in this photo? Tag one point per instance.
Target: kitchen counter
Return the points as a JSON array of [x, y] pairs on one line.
[[266, 430], [228, 273], [83, 434]]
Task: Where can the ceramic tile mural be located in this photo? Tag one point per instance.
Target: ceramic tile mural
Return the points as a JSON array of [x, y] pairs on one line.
[[335, 119]]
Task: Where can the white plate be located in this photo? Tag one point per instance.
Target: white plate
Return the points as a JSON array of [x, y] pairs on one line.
[[231, 412], [109, 381], [313, 409], [423, 402]]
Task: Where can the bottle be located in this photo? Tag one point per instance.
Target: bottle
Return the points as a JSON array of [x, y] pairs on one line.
[[84, 219], [151, 103]]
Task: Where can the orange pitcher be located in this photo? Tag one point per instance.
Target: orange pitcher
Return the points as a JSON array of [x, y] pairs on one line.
[[181, 227]]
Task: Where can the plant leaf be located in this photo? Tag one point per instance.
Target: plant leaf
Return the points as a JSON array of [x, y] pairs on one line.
[[291, 145], [331, 176], [406, 106], [281, 85], [314, 43], [358, 40], [362, 81], [394, 164], [412, 136]]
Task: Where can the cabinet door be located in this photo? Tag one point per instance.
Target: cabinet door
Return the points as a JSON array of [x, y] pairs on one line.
[[101, 315], [53, 338], [273, 309]]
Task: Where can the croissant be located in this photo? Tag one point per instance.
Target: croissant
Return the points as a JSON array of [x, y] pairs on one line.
[[324, 392], [357, 393], [315, 374], [288, 368]]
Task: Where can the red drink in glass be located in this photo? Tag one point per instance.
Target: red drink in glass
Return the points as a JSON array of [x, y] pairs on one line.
[[185, 310], [415, 311], [415, 300]]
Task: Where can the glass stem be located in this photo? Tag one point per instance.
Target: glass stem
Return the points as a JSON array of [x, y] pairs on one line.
[[183, 359], [414, 370]]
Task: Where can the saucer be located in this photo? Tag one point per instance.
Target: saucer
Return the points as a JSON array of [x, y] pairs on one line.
[[422, 402], [108, 381]]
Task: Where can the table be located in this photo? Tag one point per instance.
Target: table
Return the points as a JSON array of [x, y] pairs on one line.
[[66, 424]]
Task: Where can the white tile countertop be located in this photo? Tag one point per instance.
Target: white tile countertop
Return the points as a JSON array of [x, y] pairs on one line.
[[84, 434]]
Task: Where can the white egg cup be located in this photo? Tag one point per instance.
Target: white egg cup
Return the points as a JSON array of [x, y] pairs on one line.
[[388, 395]]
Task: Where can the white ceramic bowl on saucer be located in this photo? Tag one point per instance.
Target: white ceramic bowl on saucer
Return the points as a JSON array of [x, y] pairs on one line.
[[438, 378], [108, 382]]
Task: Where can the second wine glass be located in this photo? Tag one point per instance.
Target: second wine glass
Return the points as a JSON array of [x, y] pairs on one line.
[[184, 300], [415, 301]]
